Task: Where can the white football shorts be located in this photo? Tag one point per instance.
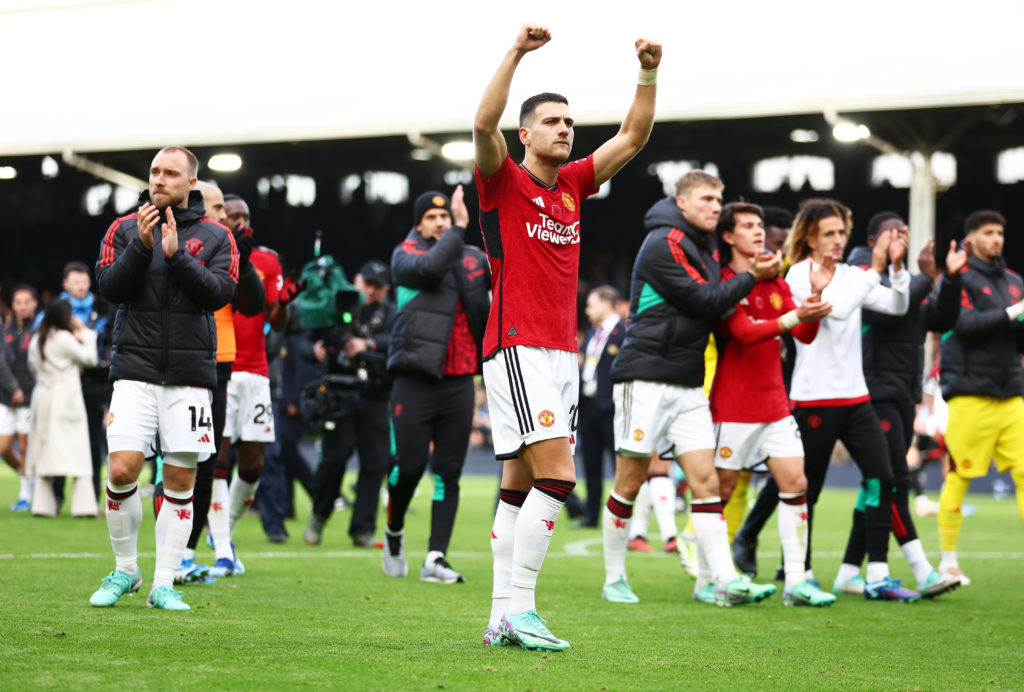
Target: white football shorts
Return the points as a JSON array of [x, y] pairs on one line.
[[745, 445], [250, 417], [182, 415], [646, 412]]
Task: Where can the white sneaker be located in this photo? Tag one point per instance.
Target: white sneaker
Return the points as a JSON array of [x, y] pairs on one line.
[[954, 571], [924, 506], [440, 572]]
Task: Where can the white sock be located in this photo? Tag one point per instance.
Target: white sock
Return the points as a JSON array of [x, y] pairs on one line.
[[713, 537], [431, 556], [703, 567], [242, 492], [918, 561], [847, 572], [948, 559], [503, 538], [663, 500], [534, 527], [124, 517], [615, 531], [218, 520], [877, 571], [793, 534], [641, 513], [173, 527], [189, 554], [26, 488]]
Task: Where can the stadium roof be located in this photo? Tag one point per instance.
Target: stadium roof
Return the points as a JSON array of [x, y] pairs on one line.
[[94, 75]]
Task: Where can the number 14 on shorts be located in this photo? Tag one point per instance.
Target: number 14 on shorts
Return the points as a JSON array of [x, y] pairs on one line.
[[200, 419]]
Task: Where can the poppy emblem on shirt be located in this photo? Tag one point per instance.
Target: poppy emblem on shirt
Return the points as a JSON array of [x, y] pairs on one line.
[[776, 301], [193, 246], [759, 302], [568, 201], [638, 435], [546, 418], [725, 452]]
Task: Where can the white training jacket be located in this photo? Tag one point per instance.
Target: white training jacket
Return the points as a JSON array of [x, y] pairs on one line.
[[830, 368]]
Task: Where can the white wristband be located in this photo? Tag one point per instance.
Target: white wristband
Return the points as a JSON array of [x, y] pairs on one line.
[[648, 77], [1015, 311], [789, 320]]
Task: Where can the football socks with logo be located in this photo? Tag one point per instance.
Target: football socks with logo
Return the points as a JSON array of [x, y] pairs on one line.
[[220, 527], [615, 527], [124, 516], [503, 533], [709, 527], [954, 489], [173, 527], [663, 500], [877, 571], [918, 561], [534, 528], [793, 535], [242, 491]]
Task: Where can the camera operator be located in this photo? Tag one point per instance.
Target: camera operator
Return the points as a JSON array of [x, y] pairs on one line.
[[355, 357]]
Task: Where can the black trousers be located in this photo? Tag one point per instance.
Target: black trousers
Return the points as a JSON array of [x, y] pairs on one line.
[[858, 428], [897, 422], [426, 410], [364, 431], [597, 443]]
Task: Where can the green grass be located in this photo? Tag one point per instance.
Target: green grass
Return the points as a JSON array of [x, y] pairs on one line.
[[326, 617]]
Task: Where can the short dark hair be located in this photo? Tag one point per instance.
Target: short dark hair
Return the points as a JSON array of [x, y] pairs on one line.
[[193, 162], [727, 219], [74, 266], [778, 217], [25, 287], [606, 293], [981, 217], [530, 104], [231, 197]]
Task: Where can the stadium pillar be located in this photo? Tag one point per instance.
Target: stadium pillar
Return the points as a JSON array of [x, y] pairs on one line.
[[923, 187]]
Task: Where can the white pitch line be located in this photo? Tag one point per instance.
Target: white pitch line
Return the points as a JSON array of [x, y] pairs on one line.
[[574, 549]]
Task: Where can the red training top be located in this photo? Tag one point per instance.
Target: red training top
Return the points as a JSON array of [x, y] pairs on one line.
[[250, 339], [532, 236], [748, 385]]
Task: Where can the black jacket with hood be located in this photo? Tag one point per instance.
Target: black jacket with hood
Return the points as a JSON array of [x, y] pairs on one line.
[[430, 278], [675, 298], [164, 332], [893, 345]]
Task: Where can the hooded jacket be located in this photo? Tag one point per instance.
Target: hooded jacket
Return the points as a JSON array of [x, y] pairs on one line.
[[675, 298], [430, 277], [164, 331], [893, 346], [981, 356]]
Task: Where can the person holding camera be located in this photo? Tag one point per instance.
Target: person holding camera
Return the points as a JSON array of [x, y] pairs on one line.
[[435, 351], [354, 353]]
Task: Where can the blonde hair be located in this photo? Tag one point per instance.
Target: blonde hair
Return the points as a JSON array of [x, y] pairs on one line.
[[805, 225]]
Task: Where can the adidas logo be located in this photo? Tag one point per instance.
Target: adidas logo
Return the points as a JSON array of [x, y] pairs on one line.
[[539, 201], [512, 331], [204, 438]]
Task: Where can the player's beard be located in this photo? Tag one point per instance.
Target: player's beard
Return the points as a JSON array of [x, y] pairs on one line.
[[168, 198]]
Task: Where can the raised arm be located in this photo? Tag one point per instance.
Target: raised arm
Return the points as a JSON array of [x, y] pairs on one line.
[[489, 144], [636, 127]]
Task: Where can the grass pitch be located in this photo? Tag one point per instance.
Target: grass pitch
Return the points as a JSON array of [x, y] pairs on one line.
[[327, 617]]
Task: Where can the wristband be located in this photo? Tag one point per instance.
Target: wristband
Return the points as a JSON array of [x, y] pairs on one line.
[[789, 320], [648, 77], [1015, 311]]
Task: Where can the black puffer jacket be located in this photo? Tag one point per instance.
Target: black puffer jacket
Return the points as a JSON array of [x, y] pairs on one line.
[[981, 356], [893, 346], [675, 298], [430, 278], [164, 331], [14, 372]]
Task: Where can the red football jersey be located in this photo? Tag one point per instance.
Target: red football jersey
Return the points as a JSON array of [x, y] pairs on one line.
[[532, 236], [250, 337], [748, 385]]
